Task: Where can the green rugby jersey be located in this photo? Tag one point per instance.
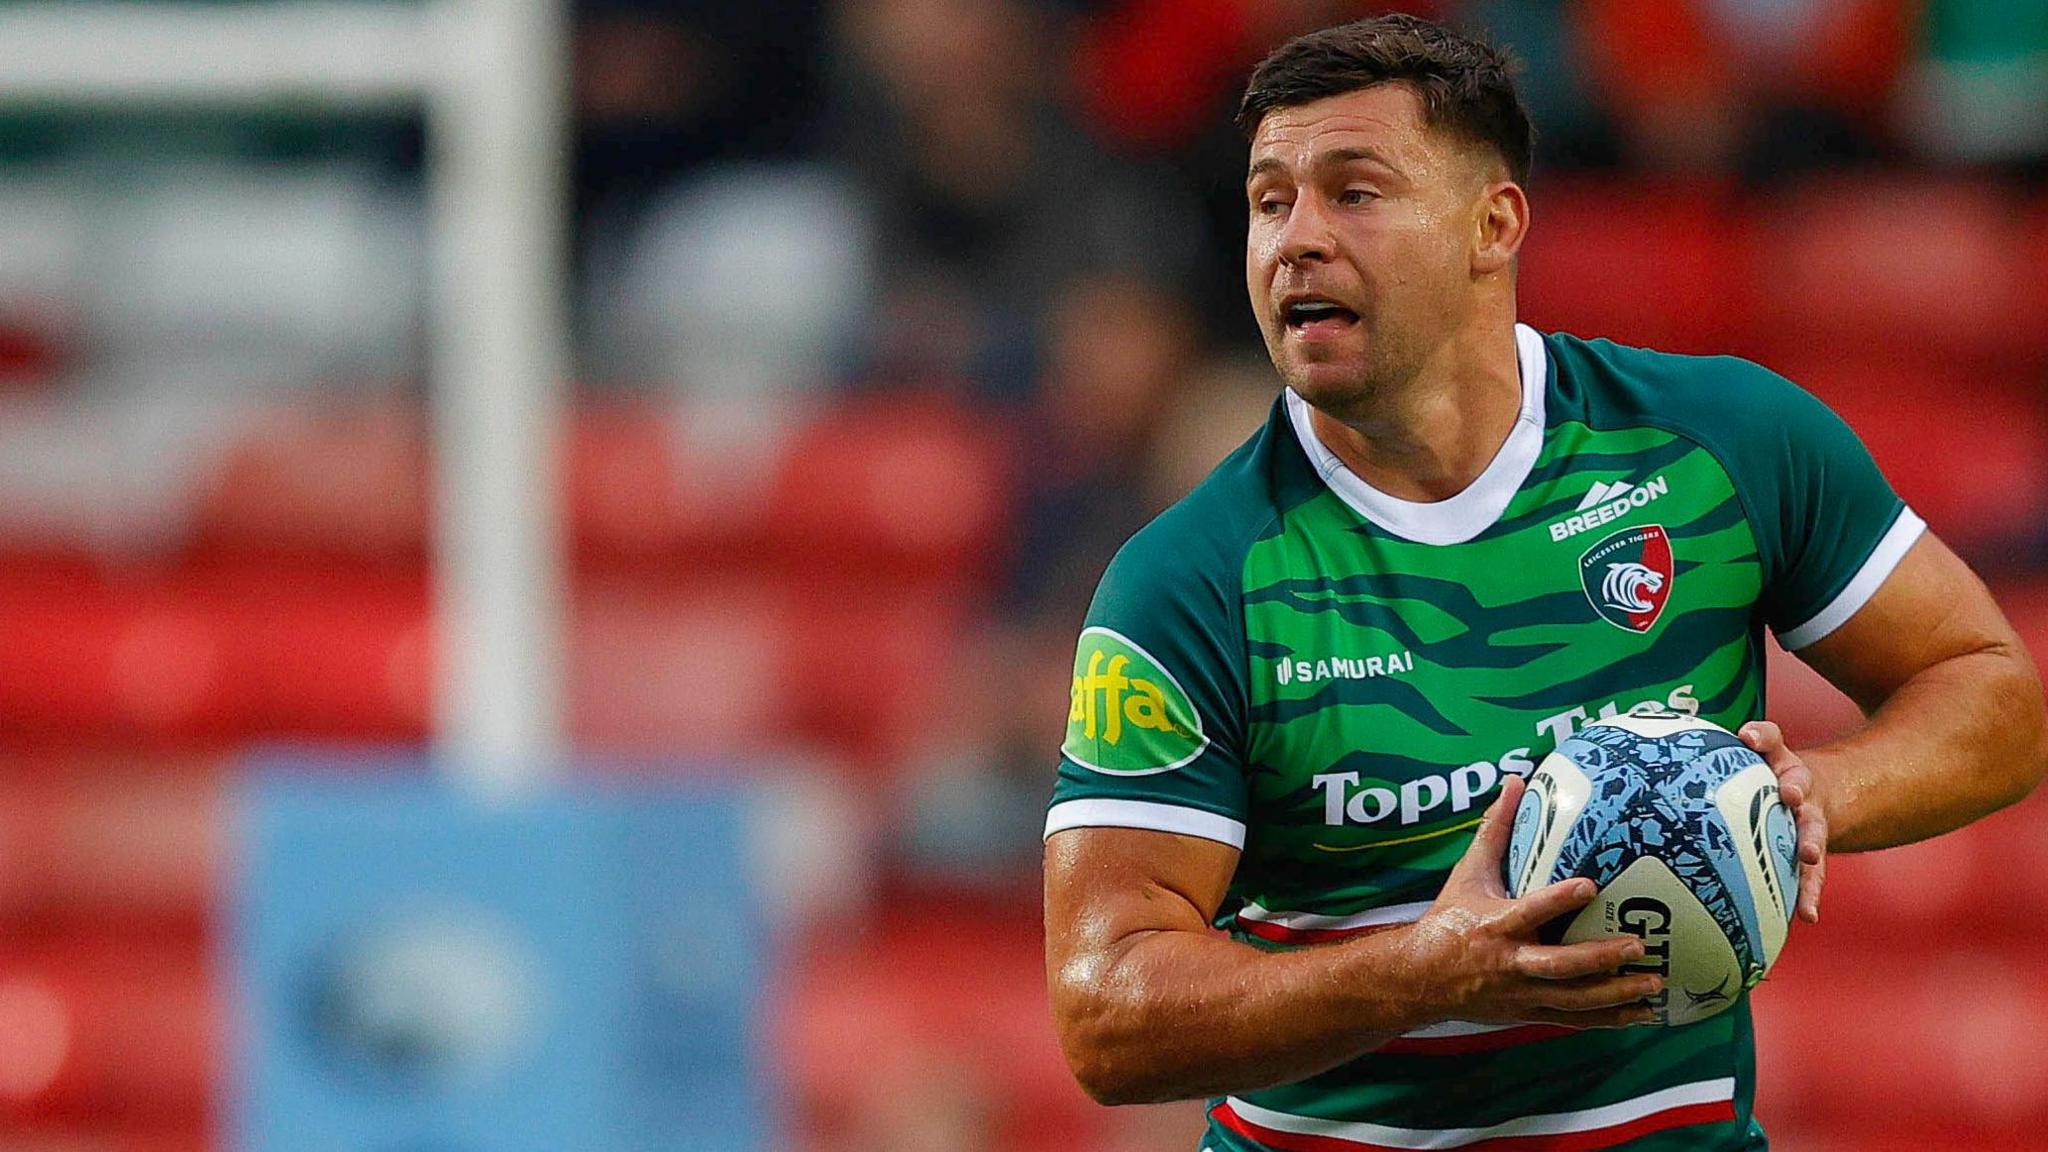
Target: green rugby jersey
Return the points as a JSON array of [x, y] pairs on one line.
[[1334, 681]]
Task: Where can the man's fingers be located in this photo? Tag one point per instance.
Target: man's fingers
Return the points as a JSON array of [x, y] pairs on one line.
[[1810, 878], [1795, 788], [1809, 892], [1492, 837], [1573, 961], [1813, 862], [1598, 992], [1481, 862], [1763, 736], [1626, 1016], [1794, 783], [1813, 835], [1547, 903]]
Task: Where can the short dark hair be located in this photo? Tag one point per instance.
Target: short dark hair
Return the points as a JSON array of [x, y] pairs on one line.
[[1467, 85]]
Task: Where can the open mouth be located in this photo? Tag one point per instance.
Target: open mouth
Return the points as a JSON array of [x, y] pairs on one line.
[[1316, 318]]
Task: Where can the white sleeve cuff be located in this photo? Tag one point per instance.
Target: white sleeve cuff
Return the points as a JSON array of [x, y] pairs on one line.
[[1146, 814], [1886, 556]]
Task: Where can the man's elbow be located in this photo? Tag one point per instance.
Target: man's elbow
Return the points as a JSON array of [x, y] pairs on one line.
[[1104, 1043], [2030, 714], [1100, 1062], [1104, 1081], [1112, 1085], [2037, 767]]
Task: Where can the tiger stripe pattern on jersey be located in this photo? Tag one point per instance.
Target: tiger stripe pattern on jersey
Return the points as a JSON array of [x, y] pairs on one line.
[[1335, 683]]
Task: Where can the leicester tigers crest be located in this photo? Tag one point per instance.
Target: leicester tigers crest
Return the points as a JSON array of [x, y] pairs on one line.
[[1628, 575]]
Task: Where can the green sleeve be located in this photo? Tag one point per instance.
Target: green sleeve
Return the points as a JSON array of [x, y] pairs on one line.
[[1829, 529], [1833, 529], [1155, 727]]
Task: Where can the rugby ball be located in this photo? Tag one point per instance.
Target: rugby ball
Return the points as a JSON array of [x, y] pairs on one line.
[[1680, 825]]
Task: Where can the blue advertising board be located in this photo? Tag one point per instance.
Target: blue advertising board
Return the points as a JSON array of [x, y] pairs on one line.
[[416, 971]]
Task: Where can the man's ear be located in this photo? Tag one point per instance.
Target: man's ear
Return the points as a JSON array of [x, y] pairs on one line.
[[1503, 220]]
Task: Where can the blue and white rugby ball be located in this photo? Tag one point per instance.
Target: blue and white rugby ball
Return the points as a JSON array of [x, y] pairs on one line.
[[1680, 824]]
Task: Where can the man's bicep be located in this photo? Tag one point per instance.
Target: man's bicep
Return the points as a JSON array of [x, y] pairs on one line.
[[1931, 608], [1106, 885], [1150, 807]]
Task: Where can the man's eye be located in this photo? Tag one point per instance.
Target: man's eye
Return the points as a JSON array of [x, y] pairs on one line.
[[1355, 196], [1271, 206]]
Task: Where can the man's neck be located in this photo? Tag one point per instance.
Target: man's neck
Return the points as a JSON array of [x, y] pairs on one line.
[[1433, 437]]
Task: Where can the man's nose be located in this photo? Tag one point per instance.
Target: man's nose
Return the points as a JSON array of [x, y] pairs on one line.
[[1305, 235]]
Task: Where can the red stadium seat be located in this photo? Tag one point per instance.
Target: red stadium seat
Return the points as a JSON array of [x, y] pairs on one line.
[[241, 652], [1655, 265], [630, 494], [2035, 238], [1150, 70], [883, 487], [871, 672], [1935, 1030], [90, 843], [1876, 1132], [713, 665], [910, 482], [1911, 1018], [2026, 605], [1969, 451], [1807, 707], [1868, 267], [340, 482], [1927, 888], [2012, 891], [950, 996], [107, 1029], [736, 666], [1987, 881], [691, 670], [104, 1138]]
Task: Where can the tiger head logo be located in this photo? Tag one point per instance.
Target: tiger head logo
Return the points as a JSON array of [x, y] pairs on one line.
[[1626, 585], [1628, 576]]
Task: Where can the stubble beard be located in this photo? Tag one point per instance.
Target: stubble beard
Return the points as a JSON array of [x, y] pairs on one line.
[[1356, 395]]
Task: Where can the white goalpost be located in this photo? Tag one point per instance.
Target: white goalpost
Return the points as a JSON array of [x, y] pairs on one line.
[[491, 76]]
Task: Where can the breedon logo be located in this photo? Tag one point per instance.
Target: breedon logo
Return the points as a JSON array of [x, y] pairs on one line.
[[1128, 716], [1604, 503], [1628, 575]]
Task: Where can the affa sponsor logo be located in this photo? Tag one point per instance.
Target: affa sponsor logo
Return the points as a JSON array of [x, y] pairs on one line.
[[1605, 503], [1343, 668], [1127, 715]]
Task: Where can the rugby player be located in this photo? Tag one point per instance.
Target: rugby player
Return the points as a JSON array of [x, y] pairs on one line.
[[1307, 694]]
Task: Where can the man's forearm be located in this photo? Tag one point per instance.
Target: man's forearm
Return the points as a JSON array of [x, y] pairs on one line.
[[1171, 1015], [1960, 739]]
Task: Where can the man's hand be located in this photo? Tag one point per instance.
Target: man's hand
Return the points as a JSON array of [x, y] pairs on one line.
[[1795, 788], [1484, 946], [1135, 970]]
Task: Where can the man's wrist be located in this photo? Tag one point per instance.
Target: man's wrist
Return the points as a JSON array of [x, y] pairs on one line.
[[1405, 976], [1824, 766]]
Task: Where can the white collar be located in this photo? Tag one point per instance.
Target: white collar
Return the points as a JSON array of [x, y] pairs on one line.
[[1467, 514]]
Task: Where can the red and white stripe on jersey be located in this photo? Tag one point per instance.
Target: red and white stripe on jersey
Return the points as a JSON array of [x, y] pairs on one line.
[[1702, 1102], [1314, 928], [1460, 1037], [1450, 1038]]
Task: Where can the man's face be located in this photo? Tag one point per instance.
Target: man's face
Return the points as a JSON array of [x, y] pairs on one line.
[[1359, 252]]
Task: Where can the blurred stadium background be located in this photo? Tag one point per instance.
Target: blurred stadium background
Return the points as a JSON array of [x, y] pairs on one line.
[[889, 320]]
